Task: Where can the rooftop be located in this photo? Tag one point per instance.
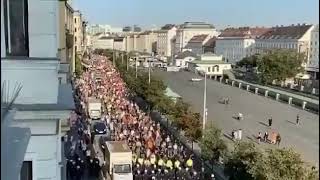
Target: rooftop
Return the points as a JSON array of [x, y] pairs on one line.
[[208, 62], [244, 32], [199, 38], [167, 27], [286, 32], [118, 146], [105, 37], [196, 25], [211, 42]]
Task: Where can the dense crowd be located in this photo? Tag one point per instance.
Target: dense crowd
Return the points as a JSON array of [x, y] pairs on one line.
[[156, 154]]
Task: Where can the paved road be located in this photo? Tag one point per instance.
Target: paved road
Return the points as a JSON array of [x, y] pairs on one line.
[[256, 109]]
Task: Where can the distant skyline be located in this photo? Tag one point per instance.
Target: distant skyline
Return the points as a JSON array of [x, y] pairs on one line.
[[153, 13]]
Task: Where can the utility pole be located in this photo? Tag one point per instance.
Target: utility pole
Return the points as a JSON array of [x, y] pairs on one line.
[[204, 104], [114, 58], [122, 57], [136, 69], [150, 70], [127, 62]]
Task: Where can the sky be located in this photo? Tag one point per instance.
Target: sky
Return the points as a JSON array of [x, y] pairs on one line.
[[220, 13]]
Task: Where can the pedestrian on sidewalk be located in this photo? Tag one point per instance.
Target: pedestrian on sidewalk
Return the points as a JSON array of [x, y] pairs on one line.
[[259, 137], [278, 139], [298, 120], [265, 137], [270, 121]]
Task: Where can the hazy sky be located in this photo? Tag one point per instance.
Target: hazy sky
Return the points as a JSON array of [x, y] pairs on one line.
[[147, 13]]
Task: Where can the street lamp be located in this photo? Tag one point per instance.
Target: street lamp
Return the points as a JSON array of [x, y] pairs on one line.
[[136, 69], [204, 104]]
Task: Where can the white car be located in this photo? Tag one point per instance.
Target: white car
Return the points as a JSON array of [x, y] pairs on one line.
[[196, 79]]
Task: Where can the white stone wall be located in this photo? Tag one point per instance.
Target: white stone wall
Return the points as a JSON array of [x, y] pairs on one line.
[[234, 49]]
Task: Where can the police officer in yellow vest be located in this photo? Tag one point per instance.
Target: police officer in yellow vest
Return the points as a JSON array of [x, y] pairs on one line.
[[140, 161], [169, 164], [160, 162], [153, 159], [189, 163], [177, 164]]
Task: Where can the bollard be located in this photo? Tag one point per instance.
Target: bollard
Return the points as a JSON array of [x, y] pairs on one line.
[[240, 85], [256, 90], [277, 96], [290, 100], [266, 93], [304, 105], [215, 77], [248, 87], [220, 79], [301, 88], [227, 80], [313, 91], [232, 83]]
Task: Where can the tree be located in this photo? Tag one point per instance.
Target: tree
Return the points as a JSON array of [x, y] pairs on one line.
[[250, 61], [245, 162], [287, 164], [78, 68], [279, 64], [212, 145]]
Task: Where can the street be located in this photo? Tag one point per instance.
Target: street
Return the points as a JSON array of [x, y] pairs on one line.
[[256, 109]]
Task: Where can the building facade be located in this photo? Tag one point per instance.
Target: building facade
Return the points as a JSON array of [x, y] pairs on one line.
[[103, 42], [313, 63], [119, 44], [164, 38], [210, 64], [183, 58], [189, 29], [29, 57], [236, 43], [296, 37], [146, 42]]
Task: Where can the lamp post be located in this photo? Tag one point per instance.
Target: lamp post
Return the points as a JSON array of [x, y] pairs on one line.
[[136, 69], [204, 104]]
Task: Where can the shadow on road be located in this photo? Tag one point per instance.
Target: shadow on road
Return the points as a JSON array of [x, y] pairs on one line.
[[264, 124], [291, 122]]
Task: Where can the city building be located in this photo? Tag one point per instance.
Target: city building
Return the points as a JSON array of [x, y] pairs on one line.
[[210, 45], [296, 37], [78, 32], [131, 42], [189, 29], [236, 43], [119, 44], [164, 38], [29, 57], [196, 43], [103, 42], [146, 42], [181, 60], [211, 64], [313, 63]]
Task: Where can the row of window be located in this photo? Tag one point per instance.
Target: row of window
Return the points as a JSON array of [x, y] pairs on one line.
[[276, 45]]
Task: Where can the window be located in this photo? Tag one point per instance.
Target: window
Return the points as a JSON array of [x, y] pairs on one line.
[[60, 80], [26, 171], [208, 69], [75, 48], [16, 27], [75, 39], [75, 20], [75, 29]]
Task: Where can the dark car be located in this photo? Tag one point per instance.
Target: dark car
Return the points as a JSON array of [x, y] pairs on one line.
[[100, 128]]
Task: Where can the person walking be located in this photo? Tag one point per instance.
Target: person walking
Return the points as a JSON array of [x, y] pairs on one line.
[[298, 120], [278, 139], [265, 137], [259, 137], [270, 121]]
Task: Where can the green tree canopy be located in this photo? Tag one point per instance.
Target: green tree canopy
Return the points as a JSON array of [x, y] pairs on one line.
[[248, 61], [212, 145], [279, 64]]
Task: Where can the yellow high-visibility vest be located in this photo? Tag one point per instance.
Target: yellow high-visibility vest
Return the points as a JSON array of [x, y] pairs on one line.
[[153, 161], [189, 162], [169, 164], [140, 161], [160, 162], [147, 162], [177, 164]]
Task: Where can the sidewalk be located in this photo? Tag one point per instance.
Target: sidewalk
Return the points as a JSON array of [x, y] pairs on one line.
[[315, 101]]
